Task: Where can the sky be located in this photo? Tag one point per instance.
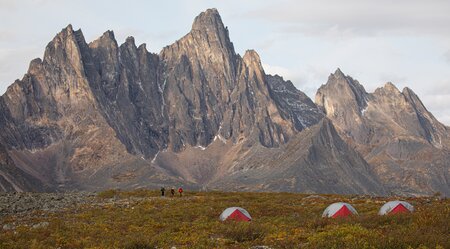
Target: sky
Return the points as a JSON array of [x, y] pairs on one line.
[[406, 42]]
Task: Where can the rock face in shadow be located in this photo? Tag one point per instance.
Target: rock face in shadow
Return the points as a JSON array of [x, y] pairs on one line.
[[13, 179], [91, 116], [293, 104], [316, 160], [402, 141]]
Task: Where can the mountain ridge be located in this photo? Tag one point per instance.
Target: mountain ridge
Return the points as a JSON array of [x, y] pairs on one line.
[[97, 115], [393, 130]]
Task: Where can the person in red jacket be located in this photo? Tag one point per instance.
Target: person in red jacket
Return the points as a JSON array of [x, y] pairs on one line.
[[180, 190]]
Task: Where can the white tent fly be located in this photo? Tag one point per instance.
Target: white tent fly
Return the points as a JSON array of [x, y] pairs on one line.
[[235, 213], [339, 209], [394, 207]]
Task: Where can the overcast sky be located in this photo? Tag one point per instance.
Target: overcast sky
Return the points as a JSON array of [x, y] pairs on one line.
[[406, 42]]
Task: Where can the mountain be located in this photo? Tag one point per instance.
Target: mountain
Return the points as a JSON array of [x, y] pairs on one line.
[[402, 141], [91, 116]]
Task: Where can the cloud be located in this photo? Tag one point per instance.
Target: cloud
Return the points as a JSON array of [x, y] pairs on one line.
[[447, 56], [7, 5], [358, 17], [13, 59], [438, 105], [307, 79], [281, 71]]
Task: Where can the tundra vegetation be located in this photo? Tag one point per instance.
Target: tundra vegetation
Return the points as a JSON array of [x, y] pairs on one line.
[[143, 219]]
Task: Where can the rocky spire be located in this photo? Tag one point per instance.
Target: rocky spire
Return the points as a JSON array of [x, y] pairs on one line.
[[344, 101], [65, 47], [338, 73], [351, 94], [209, 19], [209, 25], [253, 62]]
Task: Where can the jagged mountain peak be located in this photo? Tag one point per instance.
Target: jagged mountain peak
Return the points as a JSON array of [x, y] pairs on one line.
[[67, 45], [209, 19], [209, 30], [68, 28], [409, 91], [108, 34], [104, 40], [143, 47], [390, 87], [68, 33], [34, 65], [414, 100], [352, 97], [339, 78], [338, 73], [130, 40], [251, 58]]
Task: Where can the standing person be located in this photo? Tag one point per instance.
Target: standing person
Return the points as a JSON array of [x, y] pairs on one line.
[[172, 191], [162, 191], [180, 190]]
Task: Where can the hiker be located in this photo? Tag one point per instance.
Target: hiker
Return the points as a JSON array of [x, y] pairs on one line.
[[180, 190], [162, 191], [172, 191]]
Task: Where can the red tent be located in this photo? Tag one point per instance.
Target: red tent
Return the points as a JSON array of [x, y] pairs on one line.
[[339, 209], [235, 213]]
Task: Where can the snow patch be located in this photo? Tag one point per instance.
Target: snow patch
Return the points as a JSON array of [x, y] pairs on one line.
[[161, 90], [154, 159], [200, 147], [140, 85], [218, 136], [364, 110]]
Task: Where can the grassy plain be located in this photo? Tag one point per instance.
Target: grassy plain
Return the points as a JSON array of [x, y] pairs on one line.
[[142, 219]]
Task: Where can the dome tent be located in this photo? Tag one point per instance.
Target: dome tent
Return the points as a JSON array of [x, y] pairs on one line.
[[235, 213], [395, 207], [339, 209]]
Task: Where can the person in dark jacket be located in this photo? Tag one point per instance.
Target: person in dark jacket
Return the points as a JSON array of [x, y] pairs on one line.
[[172, 191], [162, 191]]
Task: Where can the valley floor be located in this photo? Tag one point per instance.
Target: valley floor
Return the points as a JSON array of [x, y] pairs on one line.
[[143, 219]]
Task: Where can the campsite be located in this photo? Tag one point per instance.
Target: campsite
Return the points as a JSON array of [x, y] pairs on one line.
[[143, 219]]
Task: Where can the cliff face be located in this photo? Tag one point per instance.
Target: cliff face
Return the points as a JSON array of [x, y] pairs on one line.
[[209, 90], [402, 141], [98, 115]]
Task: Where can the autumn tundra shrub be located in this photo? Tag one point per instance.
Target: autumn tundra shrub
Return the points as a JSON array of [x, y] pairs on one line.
[[242, 231], [143, 219]]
